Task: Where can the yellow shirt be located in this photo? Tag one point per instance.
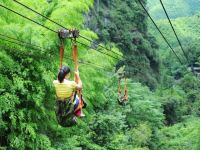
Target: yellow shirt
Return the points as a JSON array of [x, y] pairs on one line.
[[64, 89]]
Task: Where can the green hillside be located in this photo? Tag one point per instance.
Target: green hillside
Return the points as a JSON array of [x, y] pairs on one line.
[[187, 29], [175, 8]]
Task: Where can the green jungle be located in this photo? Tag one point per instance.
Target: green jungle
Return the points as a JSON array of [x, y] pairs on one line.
[[118, 45]]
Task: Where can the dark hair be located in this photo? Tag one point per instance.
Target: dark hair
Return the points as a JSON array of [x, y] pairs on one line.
[[62, 73]]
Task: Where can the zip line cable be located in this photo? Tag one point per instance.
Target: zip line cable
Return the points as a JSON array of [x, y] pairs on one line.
[[89, 63], [31, 46], [54, 30], [160, 32], [65, 28], [103, 46], [80, 61], [50, 29], [62, 26], [23, 42], [96, 50], [20, 44], [26, 43], [174, 30], [40, 49], [27, 18]]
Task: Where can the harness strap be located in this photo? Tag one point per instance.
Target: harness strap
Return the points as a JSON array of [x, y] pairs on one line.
[[119, 87], [75, 54], [125, 88], [125, 91], [75, 59], [61, 52]]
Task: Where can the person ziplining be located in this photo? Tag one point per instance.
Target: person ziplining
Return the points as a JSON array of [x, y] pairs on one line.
[[122, 97], [69, 101]]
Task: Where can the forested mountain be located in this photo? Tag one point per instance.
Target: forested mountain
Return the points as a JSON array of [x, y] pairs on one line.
[[163, 108], [187, 29], [122, 23], [180, 86], [176, 8]]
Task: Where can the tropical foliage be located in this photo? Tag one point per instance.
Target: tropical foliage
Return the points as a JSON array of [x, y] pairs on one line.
[[163, 109]]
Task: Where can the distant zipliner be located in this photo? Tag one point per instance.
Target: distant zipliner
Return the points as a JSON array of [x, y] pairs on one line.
[[69, 101], [122, 97]]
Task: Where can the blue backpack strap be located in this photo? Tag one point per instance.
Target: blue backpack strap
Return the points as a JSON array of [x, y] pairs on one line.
[[76, 103]]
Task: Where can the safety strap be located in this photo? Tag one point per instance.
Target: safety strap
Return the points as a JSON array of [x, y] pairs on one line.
[[119, 87], [75, 54], [75, 57], [61, 52], [125, 88]]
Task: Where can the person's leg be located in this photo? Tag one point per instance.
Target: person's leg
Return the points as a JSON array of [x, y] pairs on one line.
[[81, 106], [78, 107]]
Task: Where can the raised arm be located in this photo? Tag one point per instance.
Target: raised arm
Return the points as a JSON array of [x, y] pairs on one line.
[[76, 73], [78, 80]]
